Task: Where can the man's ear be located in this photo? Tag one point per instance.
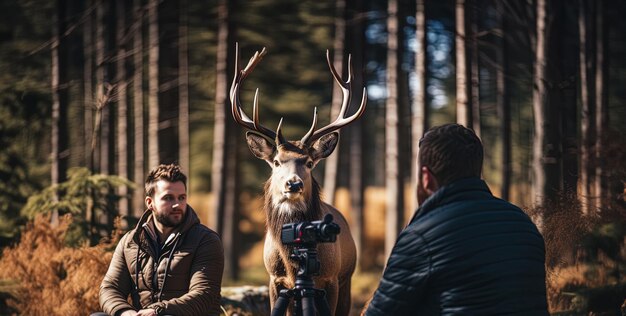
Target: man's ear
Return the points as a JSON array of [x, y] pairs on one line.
[[429, 182], [325, 146], [148, 202], [260, 147]]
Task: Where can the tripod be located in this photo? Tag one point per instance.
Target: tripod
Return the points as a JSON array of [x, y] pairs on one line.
[[306, 299]]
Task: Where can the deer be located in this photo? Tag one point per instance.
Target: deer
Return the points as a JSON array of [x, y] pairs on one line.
[[291, 194]]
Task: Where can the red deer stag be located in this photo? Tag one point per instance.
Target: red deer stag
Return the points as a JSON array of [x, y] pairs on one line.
[[293, 195]]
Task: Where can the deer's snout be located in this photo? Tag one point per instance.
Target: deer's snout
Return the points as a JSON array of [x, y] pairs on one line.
[[294, 185]]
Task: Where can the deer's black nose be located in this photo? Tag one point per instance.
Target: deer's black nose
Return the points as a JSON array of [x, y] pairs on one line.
[[294, 185]]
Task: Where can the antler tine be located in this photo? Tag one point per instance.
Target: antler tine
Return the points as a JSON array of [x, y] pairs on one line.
[[237, 111], [312, 129], [340, 121]]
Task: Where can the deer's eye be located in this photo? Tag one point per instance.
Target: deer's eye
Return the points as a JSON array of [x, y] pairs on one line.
[[276, 163], [309, 164]]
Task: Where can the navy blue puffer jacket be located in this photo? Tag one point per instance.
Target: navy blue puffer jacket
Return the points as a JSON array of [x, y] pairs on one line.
[[465, 252]]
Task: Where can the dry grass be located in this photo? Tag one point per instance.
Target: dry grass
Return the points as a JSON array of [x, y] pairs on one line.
[[49, 278], [585, 257]]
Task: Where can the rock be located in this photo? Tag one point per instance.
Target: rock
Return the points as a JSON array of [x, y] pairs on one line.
[[246, 300]]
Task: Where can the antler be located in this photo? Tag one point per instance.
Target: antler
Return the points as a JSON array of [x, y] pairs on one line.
[[341, 121], [238, 114]]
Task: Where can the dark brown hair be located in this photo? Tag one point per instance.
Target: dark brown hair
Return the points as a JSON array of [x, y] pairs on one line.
[[451, 152], [170, 173]]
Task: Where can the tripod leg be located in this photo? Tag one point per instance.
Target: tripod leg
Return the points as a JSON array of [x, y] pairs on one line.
[[308, 302], [280, 308], [321, 304]]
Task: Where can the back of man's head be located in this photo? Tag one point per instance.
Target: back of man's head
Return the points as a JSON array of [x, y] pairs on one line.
[[451, 152], [167, 172]]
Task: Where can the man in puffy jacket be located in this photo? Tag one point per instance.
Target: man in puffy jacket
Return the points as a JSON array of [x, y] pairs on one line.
[[170, 264], [464, 252]]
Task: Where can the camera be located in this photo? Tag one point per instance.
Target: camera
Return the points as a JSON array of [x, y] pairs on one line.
[[310, 233]]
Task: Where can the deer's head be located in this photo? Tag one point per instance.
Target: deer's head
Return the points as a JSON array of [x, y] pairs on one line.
[[291, 182]]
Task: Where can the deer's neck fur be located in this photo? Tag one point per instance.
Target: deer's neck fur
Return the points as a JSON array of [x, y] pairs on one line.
[[279, 213]]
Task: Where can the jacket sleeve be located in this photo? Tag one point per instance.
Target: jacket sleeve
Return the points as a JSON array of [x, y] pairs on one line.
[[405, 277], [117, 283], [205, 282]]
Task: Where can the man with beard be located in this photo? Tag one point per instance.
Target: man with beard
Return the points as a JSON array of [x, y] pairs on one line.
[[169, 264], [464, 252]]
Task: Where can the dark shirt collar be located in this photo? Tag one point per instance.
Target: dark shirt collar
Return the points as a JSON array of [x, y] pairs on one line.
[[450, 193]]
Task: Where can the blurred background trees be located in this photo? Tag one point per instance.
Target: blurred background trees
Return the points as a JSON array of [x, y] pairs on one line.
[[117, 87]]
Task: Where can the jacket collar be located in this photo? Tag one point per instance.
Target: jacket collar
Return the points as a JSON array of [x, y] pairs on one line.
[[451, 193]]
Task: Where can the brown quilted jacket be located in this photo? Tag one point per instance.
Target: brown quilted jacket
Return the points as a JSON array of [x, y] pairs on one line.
[[182, 278]]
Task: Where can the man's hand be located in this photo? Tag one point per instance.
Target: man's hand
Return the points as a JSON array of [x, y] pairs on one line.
[[147, 312], [129, 312]]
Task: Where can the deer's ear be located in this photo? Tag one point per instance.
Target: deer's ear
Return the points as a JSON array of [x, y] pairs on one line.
[[260, 146], [325, 146]]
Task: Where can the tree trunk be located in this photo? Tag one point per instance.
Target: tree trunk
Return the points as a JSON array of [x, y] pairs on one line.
[[58, 27], [153, 84], [96, 139], [219, 126], [356, 183], [105, 126], [474, 89], [224, 185], [138, 110], [332, 162], [463, 110], [601, 103], [122, 107], [88, 97], [586, 118], [540, 106], [567, 112], [503, 101], [419, 120], [393, 179], [168, 94], [183, 89]]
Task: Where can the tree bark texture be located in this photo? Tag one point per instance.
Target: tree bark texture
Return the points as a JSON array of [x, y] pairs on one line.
[[419, 120], [463, 110], [332, 162], [122, 106], [138, 110], [393, 179], [153, 84]]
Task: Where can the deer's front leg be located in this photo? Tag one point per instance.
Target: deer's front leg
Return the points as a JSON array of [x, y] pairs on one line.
[[332, 293]]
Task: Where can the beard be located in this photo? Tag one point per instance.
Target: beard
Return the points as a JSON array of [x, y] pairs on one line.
[[422, 195], [167, 222]]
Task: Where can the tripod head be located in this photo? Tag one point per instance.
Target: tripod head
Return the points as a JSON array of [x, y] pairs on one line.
[[307, 260], [304, 237]]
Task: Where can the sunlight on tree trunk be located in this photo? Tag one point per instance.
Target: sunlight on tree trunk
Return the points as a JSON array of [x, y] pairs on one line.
[[601, 107], [138, 110], [419, 120], [122, 107], [463, 111], [539, 106], [586, 118], [153, 84]]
